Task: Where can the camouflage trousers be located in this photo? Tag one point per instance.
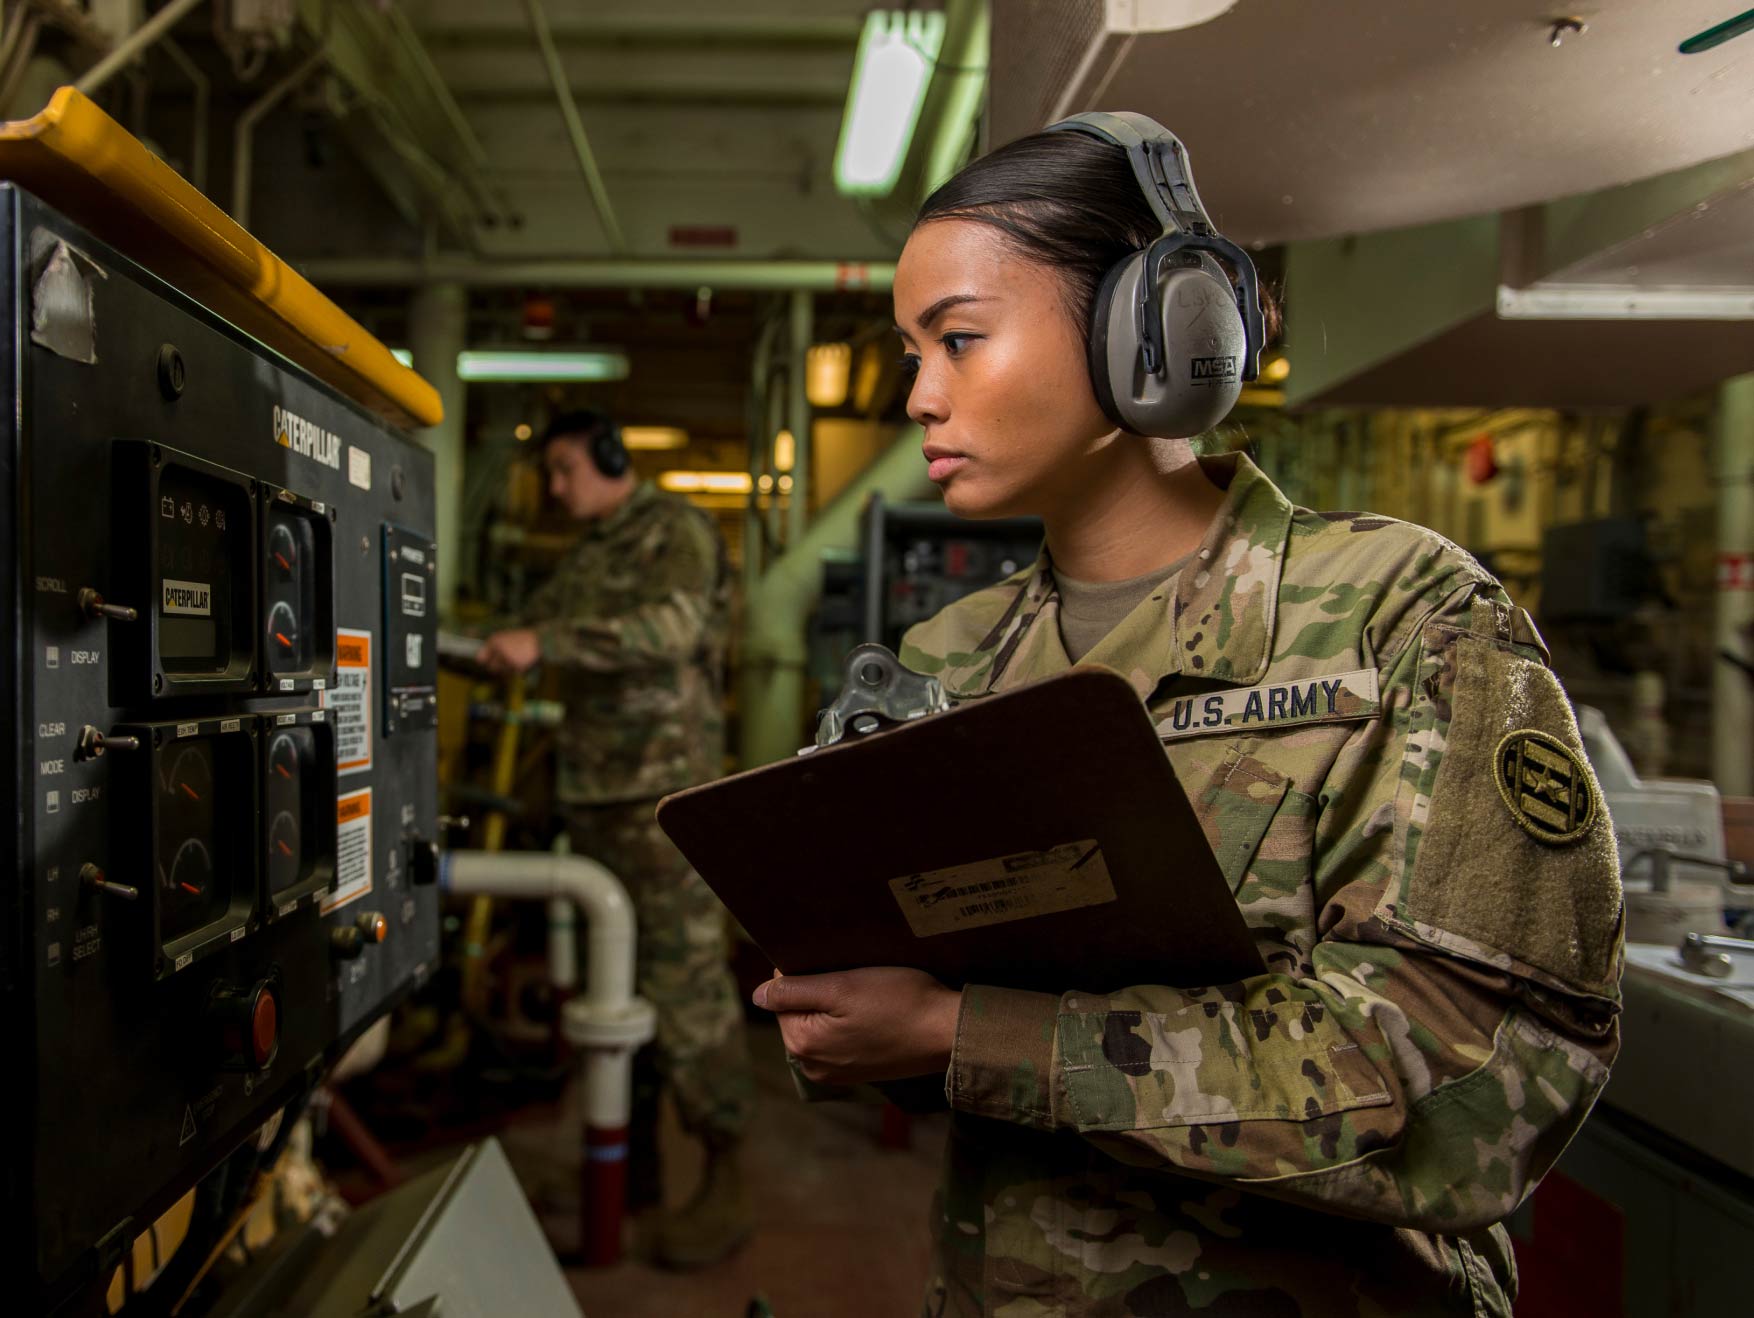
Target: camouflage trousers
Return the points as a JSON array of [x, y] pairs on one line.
[[701, 1052]]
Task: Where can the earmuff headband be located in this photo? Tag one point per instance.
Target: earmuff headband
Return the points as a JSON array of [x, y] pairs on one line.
[[1160, 164]]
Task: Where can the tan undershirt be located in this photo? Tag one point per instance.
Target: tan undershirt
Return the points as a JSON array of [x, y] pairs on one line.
[[1090, 610]]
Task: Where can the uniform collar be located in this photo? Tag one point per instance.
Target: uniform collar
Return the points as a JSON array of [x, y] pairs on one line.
[[1214, 623], [630, 511]]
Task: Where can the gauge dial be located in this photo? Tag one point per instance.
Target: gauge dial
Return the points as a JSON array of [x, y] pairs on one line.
[[193, 890], [283, 553], [292, 759], [283, 637]]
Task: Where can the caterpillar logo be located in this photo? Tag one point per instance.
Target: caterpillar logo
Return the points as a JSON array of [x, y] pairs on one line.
[[190, 598], [1214, 368], [307, 438]]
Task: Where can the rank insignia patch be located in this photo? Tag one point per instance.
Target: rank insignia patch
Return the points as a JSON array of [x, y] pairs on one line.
[[1546, 785]]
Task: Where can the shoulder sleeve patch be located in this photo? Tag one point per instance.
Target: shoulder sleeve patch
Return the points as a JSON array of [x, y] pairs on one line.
[[1508, 854]]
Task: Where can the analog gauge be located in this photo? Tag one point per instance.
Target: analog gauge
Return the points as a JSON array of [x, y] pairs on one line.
[[193, 892], [283, 637], [283, 761], [292, 759], [283, 551], [285, 857]]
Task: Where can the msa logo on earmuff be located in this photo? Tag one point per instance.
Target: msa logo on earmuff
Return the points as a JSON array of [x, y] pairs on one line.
[[1172, 337], [1212, 370]]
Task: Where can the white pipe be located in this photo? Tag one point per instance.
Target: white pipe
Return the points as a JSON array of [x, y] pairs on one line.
[[136, 42], [611, 928]]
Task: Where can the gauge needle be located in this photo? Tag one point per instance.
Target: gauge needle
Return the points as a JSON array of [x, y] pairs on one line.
[[192, 794], [189, 887], [282, 771], [281, 637], [280, 558], [284, 849]]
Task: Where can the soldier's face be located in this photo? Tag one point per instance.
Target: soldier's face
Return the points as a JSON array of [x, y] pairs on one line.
[[1001, 388], [575, 483]]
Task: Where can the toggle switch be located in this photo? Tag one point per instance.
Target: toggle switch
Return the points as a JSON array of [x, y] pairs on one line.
[[92, 877], [94, 607]]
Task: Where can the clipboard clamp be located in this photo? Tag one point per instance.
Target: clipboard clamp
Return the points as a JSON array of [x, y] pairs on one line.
[[878, 692]]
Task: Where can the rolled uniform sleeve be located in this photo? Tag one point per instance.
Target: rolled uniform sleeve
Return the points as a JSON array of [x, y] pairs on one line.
[[1459, 1013], [666, 622]]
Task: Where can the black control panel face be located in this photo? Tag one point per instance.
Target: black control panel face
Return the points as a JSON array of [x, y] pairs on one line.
[[223, 761]]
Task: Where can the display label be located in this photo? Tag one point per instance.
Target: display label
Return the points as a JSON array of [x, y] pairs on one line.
[[191, 598], [353, 848], [359, 467], [351, 700], [1014, 887]]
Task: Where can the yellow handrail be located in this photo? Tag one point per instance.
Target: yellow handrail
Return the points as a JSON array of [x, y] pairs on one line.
[[86, 165]]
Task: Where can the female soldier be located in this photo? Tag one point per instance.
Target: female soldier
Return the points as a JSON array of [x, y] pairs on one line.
[[1392, 783]]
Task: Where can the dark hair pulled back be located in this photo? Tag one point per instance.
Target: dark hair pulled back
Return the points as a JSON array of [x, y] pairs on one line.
[[1064, 200]]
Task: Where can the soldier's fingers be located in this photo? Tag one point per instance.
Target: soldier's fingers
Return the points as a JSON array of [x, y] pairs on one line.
[[799, 993]]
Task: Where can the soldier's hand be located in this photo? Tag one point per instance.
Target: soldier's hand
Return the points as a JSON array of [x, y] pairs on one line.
[[513, 651], [881, 1023]]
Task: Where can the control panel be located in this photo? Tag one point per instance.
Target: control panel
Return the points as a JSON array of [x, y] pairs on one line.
[[218, 686]]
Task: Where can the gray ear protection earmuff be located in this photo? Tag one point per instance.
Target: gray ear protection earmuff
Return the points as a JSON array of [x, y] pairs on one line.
[[1172, 339]]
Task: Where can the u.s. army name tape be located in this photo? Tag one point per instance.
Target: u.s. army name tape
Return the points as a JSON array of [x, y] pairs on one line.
[[1331, 698]]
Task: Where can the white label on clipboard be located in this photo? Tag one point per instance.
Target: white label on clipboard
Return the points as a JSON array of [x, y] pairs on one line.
[[1015, 887]]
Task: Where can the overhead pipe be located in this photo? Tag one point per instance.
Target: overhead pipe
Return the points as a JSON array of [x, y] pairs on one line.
[[648, 273], [607, 1022], [575, 128], [244, 133], [774, 646], [203, 95], [135, 44], [802, 327]]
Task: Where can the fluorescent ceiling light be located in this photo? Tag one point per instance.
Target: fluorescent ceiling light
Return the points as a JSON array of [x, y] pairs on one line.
[[522, 366], [896, 53], [527, 366], [654, 437], [705, 482]]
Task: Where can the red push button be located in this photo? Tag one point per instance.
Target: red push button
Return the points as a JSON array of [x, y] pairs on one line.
[[264, 1028]]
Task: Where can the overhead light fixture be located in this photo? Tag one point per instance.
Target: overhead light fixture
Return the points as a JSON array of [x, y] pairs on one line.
[[827, 367], [894, 65], [785, 451], [404, 356], [522, 431], [522, 366], [654, 437], [705, 482]]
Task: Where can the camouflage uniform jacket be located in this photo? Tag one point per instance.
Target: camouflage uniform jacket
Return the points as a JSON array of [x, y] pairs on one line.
[[1387, 772], [634, 619]]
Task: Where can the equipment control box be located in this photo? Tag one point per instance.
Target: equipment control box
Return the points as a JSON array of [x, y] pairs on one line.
[[218, 693]]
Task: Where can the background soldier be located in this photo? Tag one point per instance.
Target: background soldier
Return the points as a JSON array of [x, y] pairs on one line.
[[634, 621]]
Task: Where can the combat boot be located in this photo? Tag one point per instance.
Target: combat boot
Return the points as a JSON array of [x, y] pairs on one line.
[[715, 1223]]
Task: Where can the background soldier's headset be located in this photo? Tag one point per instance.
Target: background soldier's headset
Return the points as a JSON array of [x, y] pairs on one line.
[[1172, 339], [600, 433]]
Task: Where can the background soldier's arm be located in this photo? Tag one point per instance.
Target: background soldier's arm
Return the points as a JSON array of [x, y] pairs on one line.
[[1462, 1014], [677, 601]]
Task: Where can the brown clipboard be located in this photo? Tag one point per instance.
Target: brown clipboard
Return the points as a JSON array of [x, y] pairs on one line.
[[972, 825]]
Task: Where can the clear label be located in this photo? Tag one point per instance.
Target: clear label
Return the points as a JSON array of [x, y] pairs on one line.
[[1015, 887], [359, 468]]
